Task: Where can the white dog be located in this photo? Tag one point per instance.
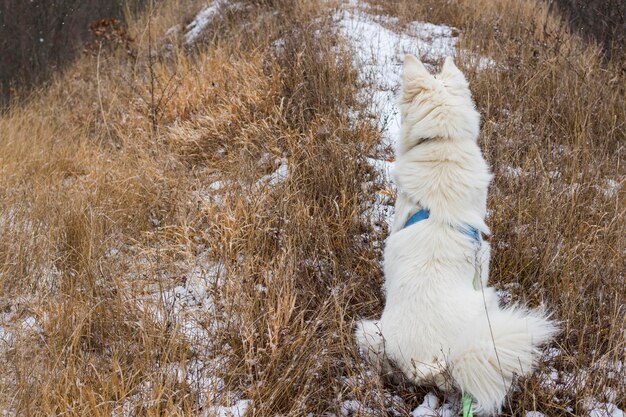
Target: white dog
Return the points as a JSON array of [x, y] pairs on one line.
[[441, 323]]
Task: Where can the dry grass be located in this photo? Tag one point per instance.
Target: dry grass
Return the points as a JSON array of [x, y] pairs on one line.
[[126, 171]]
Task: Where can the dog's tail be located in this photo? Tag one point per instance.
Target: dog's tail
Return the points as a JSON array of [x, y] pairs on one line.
[[493, 349]]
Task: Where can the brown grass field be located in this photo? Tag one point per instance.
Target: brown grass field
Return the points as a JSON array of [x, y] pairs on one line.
[[146, 166]]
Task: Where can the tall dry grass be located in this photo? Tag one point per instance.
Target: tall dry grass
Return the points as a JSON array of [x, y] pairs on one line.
[[131, 168], [101, 212]]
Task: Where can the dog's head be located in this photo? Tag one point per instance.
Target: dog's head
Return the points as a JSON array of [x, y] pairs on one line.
[[435, 106]]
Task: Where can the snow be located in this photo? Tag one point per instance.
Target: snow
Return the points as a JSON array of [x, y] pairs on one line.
[[209, 195], [5, 336], [350, 407], [278, 176], [193, 305], [574, 383], [601, 409], [614, 369], [393, 404], [204, 18], [379, 52], [201, 21], [534, 414], [552, 353], [236, 410], [512, 172], [611, 188], [504, 296], [8, 219], [173, 31], [13, 323], [430, 408]]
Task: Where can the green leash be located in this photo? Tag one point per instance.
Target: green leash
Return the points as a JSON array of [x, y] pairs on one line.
[[467, 405]]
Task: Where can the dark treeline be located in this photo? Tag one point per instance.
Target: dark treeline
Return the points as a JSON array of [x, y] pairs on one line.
[[37, 37], [601, 20]]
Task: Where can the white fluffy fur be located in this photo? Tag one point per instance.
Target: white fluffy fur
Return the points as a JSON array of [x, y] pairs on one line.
[[436, 327]]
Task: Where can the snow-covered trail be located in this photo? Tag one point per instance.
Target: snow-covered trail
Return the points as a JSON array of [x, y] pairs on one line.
[[378, 53]]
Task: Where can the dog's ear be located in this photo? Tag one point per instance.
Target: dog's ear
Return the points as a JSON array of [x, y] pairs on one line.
[[414, 73], [451, 74]]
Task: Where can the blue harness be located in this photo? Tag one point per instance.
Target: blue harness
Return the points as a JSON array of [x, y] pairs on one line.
[[423, 214]]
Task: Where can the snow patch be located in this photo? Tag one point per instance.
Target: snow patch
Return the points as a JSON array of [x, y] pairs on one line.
[[430, 408], [350, 407], [599, 409], [201, 21], [236, 410], [278, 176], [193, 305], [379, 52], [512, 172], [611, 188], [204, 18]]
